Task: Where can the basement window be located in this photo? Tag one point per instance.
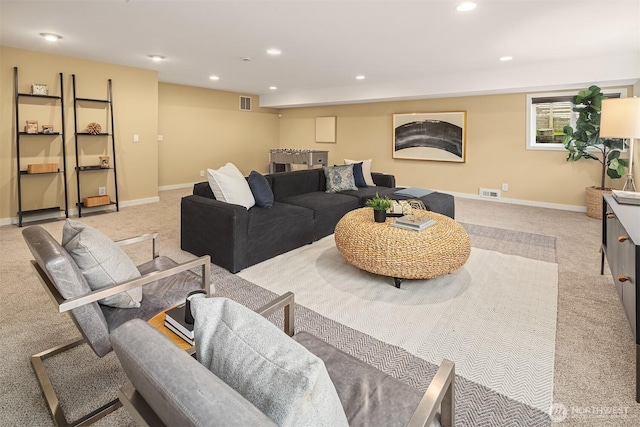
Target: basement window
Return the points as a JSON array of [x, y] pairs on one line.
[[549, 113]]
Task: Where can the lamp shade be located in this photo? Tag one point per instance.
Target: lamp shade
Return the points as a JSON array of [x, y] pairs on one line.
[[620, 118]]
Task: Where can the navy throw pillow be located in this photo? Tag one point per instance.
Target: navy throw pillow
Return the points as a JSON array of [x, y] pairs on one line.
[[260, 188], [358, 176]]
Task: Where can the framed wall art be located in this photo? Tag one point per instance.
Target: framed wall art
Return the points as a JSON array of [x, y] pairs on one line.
[[326, 129], [430, 136]]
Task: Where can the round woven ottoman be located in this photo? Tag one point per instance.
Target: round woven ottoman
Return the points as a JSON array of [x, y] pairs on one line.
[[382, 249]]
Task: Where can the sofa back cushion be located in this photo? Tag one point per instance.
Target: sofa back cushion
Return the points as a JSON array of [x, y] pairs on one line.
[[288, 184], [203, 189]]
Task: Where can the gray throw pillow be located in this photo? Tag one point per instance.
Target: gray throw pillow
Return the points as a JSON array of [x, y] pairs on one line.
[[277, 375], [102, 262], [339, 178]]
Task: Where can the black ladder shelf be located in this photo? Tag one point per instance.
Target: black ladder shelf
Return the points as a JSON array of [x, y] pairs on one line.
[[22, 173], [96, 167]]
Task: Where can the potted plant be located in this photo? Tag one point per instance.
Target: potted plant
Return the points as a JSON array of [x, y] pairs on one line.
[[584, 142], [380, 205]]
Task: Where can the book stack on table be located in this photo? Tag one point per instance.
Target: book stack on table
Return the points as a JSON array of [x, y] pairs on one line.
[[627, 197], [174, 321], [414, 223]]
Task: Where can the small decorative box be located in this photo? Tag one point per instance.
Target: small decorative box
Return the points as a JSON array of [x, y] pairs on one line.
[[39, 89]]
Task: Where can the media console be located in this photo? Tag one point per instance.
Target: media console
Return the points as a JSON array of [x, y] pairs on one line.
[[621, 247]]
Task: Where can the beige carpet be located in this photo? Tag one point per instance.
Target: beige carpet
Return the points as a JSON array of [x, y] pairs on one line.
[[594, 374]]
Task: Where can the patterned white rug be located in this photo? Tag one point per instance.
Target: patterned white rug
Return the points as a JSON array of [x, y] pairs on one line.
[[495, 317]]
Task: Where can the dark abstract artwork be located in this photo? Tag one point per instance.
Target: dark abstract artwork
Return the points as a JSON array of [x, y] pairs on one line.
[[430, 136]]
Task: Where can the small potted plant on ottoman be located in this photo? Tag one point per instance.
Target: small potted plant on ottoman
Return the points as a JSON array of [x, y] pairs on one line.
[[380, 205]]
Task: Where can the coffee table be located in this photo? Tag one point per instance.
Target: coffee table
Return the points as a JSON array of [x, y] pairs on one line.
[[382, 249]]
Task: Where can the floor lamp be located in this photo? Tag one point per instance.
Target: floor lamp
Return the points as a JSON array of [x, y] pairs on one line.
[[621, 119]]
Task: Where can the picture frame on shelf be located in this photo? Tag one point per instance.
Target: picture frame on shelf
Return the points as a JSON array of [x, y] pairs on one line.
[[430, 136], [39, 89], [47, 129], [31, 126]]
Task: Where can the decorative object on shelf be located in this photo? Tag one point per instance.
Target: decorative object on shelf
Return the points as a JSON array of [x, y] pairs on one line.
[[430, 136], [621, 119], [94, 128], [585, 140], [380, 205], [47, 129], [39, 89], [42, 168], [31, 127], [92, 201], [104, 162]]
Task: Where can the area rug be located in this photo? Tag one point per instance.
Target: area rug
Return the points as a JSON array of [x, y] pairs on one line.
[[495, 317]]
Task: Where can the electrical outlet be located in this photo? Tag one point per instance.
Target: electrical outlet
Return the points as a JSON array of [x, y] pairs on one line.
[[102, 191], [201, 173], [505, 186]]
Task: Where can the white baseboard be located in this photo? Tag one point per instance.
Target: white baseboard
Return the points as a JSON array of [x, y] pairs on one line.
[[559, 206], [73, 212], [176, 186]]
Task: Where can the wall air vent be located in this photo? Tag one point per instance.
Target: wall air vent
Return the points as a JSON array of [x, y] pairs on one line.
[[489, 193], [245, 103]]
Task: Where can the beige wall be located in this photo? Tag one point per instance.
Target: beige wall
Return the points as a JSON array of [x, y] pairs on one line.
[[204, 128], [135, 95], [496, 154]]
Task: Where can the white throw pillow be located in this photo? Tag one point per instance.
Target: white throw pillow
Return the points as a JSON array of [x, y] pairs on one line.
[[102, 262], [229, 185], [366, 169], [277, 375]]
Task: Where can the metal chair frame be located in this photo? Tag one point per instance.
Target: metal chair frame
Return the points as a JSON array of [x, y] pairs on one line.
[[439, 394], [64, 305]]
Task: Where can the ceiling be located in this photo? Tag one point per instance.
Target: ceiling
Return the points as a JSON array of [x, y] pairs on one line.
[[405, 49]]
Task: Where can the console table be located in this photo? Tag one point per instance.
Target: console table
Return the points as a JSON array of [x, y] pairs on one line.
[[621, 247]]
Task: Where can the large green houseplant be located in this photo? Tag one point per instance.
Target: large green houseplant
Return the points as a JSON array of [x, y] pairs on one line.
[[584, 142]]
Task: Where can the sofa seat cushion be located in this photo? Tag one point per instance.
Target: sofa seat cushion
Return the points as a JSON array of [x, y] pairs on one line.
[[327, 209], [277, 230], [366, 193], [369, 396], [156, 296]]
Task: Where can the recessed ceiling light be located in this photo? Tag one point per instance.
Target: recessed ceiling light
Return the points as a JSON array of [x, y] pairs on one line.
[[360, 77], [274, 51], [506, 58], [273, 87], [214, 78], [466, 6], [51, 37], [156, 58]]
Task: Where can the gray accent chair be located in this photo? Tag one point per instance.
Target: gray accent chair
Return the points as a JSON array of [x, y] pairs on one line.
[[164, 284], [175, 389]]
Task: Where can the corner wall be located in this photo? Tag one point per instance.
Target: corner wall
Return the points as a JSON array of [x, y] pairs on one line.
[[204, 128]]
